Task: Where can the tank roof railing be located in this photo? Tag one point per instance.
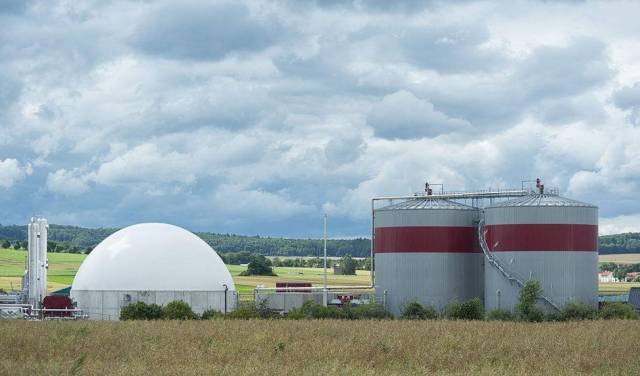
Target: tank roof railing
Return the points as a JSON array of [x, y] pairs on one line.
[[484, 193]]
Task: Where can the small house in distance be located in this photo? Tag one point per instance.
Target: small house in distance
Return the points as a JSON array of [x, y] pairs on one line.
[[607, 277]]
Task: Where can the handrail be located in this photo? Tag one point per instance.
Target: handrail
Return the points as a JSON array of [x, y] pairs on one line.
[[496, 263]]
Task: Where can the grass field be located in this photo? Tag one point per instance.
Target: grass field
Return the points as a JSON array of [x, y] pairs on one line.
[[625, 258], [63, 267], [230, 347], [617, 288]]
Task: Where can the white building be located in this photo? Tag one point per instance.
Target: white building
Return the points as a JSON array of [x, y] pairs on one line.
[[153, 263], [606, 276]]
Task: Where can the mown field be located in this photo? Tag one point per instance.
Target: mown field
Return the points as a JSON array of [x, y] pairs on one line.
[[624, 258], [63, 267], [238, 347]]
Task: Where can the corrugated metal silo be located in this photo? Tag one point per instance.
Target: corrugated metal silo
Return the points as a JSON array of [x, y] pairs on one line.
[[426, 250], [547, 238]]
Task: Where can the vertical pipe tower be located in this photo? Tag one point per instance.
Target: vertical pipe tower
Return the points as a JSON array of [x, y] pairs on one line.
[[37, 261]]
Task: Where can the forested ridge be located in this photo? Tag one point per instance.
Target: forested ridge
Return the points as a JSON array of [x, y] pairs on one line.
[[79, 238]]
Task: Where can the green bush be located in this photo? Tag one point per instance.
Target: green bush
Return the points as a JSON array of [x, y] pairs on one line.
[[250, 310], [141, 311], [499, 314], [371, 311], [416, 311], [178, 310], [577, 311], [526, 308], [211, 314], [468, 310], [313, 310], [259, 265], [618, 310], [553, 316]]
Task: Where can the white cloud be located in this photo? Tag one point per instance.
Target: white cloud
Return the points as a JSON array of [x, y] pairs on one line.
[[140, 107], [403, 115], [620, 224], [11, 172], [146, 163], [69, 183]]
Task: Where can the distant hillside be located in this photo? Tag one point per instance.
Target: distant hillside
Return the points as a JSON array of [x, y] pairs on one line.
[[82, 238], [620, 243]]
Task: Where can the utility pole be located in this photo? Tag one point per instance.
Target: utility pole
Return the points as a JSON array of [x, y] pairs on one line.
[[325, 292]]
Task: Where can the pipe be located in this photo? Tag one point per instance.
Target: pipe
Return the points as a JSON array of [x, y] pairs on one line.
[[373, 235], [325, 297], [307, 289], [226, 288]]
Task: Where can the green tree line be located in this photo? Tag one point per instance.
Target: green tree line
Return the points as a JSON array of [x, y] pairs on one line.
[[72, 238]]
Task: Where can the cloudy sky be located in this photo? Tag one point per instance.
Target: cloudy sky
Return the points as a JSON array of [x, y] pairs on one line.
[[256, 117]]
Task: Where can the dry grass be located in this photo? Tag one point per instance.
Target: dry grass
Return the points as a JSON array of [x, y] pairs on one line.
[[320, 347], [624, 258]]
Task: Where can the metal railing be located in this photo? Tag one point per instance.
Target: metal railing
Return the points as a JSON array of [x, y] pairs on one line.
[[495, 262]]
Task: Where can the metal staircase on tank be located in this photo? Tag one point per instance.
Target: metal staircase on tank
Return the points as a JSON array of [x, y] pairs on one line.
[[493, 261]]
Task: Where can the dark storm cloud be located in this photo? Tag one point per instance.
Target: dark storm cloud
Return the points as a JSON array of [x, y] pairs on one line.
[[203, 31]]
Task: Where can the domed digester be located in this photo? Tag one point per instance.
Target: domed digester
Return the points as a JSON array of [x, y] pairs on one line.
[[547, 238], [426, 250], [154, 263]]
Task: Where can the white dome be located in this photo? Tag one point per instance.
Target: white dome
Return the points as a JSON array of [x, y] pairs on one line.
[[154, 257]]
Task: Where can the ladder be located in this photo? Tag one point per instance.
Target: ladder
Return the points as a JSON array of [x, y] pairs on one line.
[[495, 262]]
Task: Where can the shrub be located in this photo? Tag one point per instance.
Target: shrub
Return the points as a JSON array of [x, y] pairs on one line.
[[211, 314], [250, 310], [499, 314], [313, 310], [259, 265], [526, 308], [371, 311], [178, 310], [553, 316], [416, 311], [618, 310], [469, 310], [141, 311], [577, 311]]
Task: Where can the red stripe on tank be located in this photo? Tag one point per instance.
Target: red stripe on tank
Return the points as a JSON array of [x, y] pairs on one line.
[[542, 237], [426, 239]]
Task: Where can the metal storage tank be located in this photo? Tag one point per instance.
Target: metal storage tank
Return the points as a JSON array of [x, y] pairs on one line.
[[426, 250], [547, 238], [153, 263]]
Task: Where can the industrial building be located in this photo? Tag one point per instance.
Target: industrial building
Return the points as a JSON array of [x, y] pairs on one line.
[[431, 248], [154, 263], [426, 250], [544, 237]]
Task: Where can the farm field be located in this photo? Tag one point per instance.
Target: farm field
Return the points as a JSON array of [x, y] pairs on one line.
[[63, 267], [617, 287], [623, 258], [274, 347]]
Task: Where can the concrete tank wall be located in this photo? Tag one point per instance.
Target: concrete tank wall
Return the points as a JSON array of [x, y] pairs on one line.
[[426, 250], [554, 244], [106, 305]]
